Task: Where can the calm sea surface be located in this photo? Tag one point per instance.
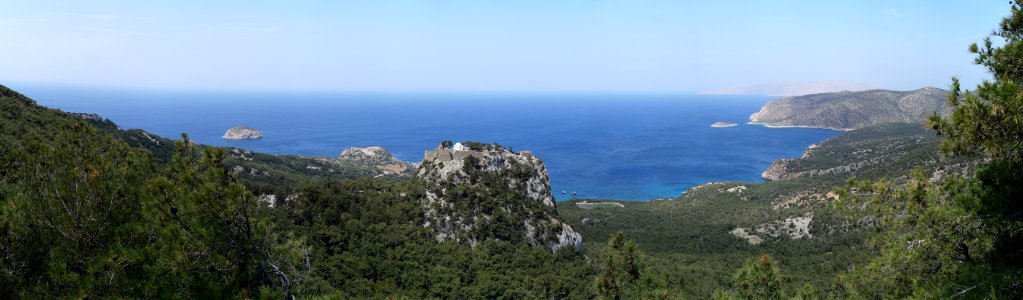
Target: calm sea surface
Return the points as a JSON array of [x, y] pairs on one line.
[[619, 146]]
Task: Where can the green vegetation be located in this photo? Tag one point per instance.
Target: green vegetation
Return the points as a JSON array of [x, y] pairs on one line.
[[688, 241], [758, 279], [688, 246], [118, 221], [367, 241], [899, 229], [872, 152], [625, 275], [264, 173], [487, 204], [962, 237], [113, 221], [477, 146]]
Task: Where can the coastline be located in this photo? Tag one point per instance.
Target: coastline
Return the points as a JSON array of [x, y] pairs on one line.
[[763, 174], [797, 126]]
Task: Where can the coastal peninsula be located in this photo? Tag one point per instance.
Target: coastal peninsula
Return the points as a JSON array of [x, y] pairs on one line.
[[851, 110]]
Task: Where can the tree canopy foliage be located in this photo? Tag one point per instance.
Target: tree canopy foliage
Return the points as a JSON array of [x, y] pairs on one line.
[[85, 214], [960, 237]]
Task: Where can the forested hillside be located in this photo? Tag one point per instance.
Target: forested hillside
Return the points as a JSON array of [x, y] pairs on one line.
[[121, 219], [362, 238], [693, 241]]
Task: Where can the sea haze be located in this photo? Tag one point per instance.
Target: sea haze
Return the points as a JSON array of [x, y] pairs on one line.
[[634, 147]]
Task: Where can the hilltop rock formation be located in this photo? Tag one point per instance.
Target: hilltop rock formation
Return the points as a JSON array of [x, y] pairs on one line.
[[477, 192], [242, 132], [851, 110], [792, 88]]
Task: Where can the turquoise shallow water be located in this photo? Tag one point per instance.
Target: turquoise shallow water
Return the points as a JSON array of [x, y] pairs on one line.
[[619, 146]]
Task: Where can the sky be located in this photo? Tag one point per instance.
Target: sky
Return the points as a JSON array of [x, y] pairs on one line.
[[491, 45]]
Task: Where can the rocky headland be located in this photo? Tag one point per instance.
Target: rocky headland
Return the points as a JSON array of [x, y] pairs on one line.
[[851, 110]]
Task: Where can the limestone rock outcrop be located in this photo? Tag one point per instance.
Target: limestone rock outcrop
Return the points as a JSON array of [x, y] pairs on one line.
[[477, 192], [376, 157]]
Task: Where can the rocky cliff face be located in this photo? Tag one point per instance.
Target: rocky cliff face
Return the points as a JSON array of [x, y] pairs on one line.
[[851, 110], [242, 133], [482, 192]]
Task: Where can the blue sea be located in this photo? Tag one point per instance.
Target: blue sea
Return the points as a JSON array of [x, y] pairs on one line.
[[608, 146]]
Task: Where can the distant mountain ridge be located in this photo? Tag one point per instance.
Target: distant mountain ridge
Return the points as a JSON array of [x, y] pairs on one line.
[[792, 88], [852, 110]]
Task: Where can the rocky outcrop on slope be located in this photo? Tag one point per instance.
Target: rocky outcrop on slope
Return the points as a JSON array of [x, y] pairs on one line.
[[780, 169], [851, 110], [477, 192], [375, 157], [792, 228], [242, 133], [276, 169]]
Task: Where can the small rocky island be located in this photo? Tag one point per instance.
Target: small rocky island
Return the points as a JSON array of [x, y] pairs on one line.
[[722, 124], [242, 132]]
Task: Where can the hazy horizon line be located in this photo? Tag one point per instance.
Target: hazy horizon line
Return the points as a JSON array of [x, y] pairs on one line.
[[14, 85]]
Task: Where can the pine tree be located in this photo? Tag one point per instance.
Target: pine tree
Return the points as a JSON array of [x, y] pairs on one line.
[[962, 237], [758, 279], [624, 275]]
